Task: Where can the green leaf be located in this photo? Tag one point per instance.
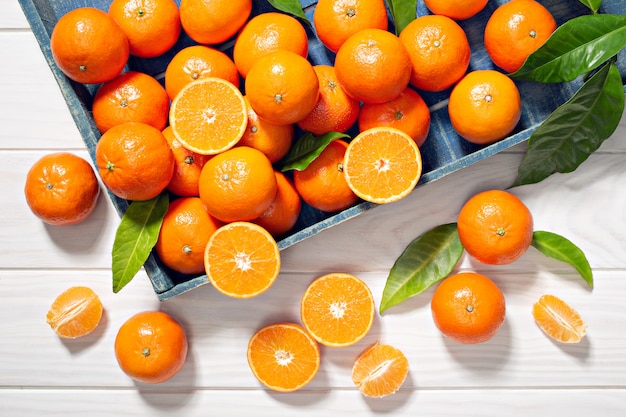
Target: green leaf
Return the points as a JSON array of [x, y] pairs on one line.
[[426, 260], [306, 149], [135, 237], [593, 5], [559, 248], [577, 47], [403, 12], [292, 7], [575, 129]]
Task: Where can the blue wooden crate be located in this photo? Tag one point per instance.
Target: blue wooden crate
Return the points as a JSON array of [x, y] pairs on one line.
[[443, 153]]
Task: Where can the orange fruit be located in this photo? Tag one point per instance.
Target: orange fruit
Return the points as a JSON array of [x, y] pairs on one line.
[[209, 116], [558, 320], [373, 66], [408, 112], [61, 189], [187, 168], [335, 111], [283, 357], [337, 309], [515, 30], [322, 184], [265, 33], [380, 370], [215, 21], [457, 10], [282, 87], [271, 139], [238, 184], [151, 347], [439, 52], [336, 20], [185, 231], [75, 312], [495, 227], [152, 26], [484, 107], [242, 260], [196, 62], [382, 165], [283, 213], [88, 46], [468, 308], [134, 160], [131, 97]]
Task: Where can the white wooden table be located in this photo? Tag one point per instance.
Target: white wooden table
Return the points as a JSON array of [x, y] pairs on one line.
[[520, 372]]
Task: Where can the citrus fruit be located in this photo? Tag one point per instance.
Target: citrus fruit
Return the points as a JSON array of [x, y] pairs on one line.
[[337, 309], [242, 260], [495, 227], [215, 21], [282, 87], [283, 213], [468, 308], [135, 161], [283, 357], [151, 347], [382, 165], [130, 97], [337, 20], [408, 112], [515, 30], [457, 10], [373, 66], [380, 370], [152, 26], [558, 320], [61, 189], [187, 167], [238, 184], [322, 184], [208, 116], [75, 312], [484, 107], [265, 33], [183, 236], [439, 52], [88, 46]]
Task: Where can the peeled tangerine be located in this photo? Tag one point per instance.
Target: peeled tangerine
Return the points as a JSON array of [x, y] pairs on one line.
[[558, 320], [380, 370], [75, 312]]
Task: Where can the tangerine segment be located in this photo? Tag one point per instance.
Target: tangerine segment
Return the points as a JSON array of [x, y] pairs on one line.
[[382, 165], [337, 309], [283, 357], [242, 260], [209, 116], [75, 312], [558, 320], [380, 370]]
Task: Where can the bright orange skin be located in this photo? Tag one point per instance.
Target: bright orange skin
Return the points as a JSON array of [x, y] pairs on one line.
[[184, 182], [88, 46], [495, 227], [152, 26], [468, 308], [61, 189], [283, 213], [336, 20], [215, 21], [134, 160], [151, 347], [458, 9], [515, 30]]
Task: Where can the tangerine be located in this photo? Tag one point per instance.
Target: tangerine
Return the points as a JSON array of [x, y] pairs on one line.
[[215, 21], [283, 213], [558, 320], [380, 370], [75, 312], [188, 166], [457, 10]]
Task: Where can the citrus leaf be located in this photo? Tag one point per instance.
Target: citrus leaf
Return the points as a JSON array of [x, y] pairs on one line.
[[575, 129], [403, 12], [593, 5], [577, 47], [292, 7], [135, 237], [559, 248], [306, 149], [426, 260]]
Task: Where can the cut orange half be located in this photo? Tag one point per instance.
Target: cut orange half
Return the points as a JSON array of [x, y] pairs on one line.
[[209, 116], [242, 260], [382, 165], [558, 320], [75, 312], [380, 370]]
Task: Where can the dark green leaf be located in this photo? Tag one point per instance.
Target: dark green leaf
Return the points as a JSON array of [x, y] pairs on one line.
[[292, 7], [593, 5], [403, 12], [135, 237], [306, 149], [577, 47], [425, 261], [559, 248]]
